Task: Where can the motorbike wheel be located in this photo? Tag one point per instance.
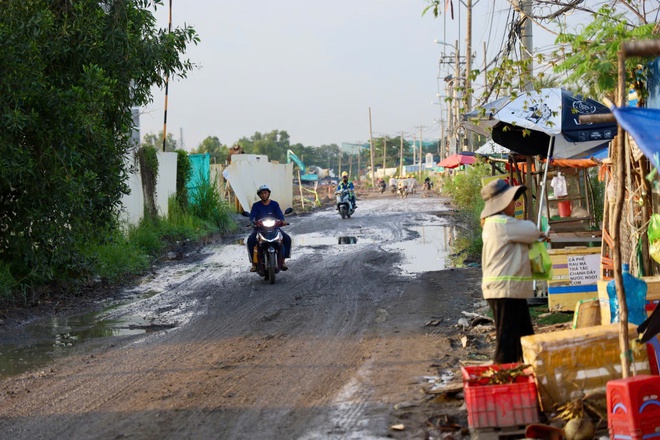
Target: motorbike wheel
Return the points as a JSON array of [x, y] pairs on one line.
[[343, 211], [272, 264]]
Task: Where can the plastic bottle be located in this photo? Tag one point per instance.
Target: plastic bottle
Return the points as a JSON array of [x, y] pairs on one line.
[[635, 297]]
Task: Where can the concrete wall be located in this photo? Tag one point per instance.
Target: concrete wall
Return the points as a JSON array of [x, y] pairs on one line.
[[133, 203]]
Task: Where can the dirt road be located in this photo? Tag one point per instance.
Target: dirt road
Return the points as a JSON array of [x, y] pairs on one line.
[[337, 348]]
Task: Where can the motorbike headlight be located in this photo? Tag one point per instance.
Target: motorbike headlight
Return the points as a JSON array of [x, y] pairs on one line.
[[268, 223]]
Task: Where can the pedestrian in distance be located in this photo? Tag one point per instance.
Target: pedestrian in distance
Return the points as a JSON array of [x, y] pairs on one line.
[[506, 270]]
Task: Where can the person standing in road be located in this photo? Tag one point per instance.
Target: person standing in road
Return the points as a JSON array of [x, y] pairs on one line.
[[507, 274]]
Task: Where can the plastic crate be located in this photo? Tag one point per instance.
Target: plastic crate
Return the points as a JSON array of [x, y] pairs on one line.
[[498, 406], [633, 407]]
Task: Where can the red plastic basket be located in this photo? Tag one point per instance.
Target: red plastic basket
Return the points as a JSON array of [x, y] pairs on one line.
[[498, 406]]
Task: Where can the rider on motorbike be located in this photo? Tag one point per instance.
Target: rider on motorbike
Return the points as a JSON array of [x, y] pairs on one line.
[[266, 208], [344, 183]]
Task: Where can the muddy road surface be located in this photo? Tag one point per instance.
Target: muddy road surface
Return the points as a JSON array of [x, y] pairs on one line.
[[340, 347]]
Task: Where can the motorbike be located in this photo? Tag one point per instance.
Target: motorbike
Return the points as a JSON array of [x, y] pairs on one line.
[[428, 185], [393, 189], [403, 191], [382, 186], [268, 252], [344, 205]]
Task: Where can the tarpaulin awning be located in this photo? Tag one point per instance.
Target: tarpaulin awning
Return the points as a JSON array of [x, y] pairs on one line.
[[574, 163], [642, 124], [456, 160]]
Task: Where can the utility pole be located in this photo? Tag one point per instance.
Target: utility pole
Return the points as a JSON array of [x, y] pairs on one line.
[[371, 148], [420, 151], [384, 155], [456, 102], [414, 161], [526, 37], [401, 156], [468, 68]]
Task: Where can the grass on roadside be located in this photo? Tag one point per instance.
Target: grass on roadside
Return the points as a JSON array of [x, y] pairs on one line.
[[129, 252]]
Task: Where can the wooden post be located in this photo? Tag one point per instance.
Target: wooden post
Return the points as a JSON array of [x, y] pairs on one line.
[[302, 199]]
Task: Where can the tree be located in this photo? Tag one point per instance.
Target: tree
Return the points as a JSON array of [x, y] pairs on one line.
[[156, 141], [587, 57], [71, 72], [273, 144], [213, 146]]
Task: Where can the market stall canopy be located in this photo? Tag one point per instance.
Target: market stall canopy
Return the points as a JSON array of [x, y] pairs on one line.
[[481, 120], [492, 147], [530, 121], [456, 160], [642, 124]]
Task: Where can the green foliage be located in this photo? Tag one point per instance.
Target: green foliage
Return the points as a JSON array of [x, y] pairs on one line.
[[216, 150], [156, 141], [151, 161], [116, 259], [590, 58], [71, 72], [7, 283], [182, 225], [464, 189], [183, 174], [146, 236], [541, 315], [273, 144], [210, 207]]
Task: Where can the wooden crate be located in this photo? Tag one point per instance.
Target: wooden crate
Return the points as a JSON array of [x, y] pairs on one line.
[[574, 275], [569, 363]]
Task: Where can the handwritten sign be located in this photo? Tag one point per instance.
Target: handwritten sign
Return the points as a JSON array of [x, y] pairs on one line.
[[583, 269]]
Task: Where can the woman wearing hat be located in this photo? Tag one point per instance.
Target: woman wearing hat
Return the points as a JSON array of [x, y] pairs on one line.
[[507, 275]]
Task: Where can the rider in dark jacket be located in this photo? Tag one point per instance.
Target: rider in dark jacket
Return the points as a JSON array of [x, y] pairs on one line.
[[261, 209]]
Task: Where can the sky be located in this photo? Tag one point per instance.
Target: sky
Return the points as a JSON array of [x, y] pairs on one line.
[[316, 69]]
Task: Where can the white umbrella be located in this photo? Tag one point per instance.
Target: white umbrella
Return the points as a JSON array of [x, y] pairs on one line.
[[492, 147], [530, 122]]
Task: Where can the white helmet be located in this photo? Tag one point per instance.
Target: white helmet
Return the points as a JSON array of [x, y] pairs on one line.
[[263, 188]]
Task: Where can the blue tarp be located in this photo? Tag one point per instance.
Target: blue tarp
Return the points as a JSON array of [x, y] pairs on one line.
[[200, 173], [642, 124]]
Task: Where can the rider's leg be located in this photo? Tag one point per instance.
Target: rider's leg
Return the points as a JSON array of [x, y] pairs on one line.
[[286, 242], [251, 243]]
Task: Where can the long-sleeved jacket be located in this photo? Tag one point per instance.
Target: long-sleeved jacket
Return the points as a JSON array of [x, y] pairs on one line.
[[272, 209], [505, 258]]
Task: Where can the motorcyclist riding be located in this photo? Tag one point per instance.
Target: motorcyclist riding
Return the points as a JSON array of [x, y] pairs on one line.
[[344, 183], [266, 208]]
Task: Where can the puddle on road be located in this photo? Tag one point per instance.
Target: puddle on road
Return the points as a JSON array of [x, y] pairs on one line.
[[57, 337], [428, 252], [306, 240]]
